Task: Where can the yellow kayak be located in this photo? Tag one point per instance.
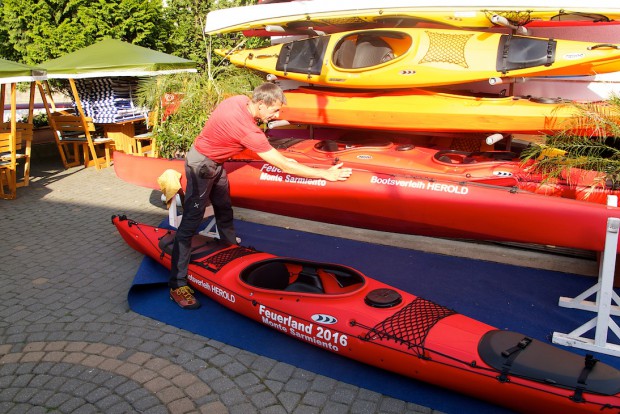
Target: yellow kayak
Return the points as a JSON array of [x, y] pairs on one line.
[[402, 58], [424, 110], [332, 16]]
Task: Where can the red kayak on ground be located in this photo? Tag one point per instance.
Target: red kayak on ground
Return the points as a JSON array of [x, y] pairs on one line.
[[408, 189], [339, 309]]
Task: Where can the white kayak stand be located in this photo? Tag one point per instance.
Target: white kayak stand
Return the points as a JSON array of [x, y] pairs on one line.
[[174, 218], [603, 303]]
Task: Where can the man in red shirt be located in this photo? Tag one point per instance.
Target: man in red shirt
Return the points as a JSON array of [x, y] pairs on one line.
[[232, 127]]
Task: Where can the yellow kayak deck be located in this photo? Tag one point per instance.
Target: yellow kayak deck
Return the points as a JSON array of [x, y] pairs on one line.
[[400, 58]]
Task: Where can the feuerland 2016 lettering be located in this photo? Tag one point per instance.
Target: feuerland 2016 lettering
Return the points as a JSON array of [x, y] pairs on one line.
[[304, 330]]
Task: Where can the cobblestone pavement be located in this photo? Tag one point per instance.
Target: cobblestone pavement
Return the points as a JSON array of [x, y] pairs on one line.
[[70, 344]]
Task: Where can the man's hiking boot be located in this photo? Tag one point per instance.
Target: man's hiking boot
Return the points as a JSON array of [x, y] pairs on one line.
[[184, 297]]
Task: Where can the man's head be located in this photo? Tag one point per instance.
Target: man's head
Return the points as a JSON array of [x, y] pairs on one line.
[[268, 98]]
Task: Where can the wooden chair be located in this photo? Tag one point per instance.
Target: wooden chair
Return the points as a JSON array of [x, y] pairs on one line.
[[76, 136], [8, 166], [143, 143], [23, 149]]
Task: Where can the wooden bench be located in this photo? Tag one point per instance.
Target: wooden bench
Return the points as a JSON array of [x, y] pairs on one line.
[[76, 136], [8, 170], [23, 149]]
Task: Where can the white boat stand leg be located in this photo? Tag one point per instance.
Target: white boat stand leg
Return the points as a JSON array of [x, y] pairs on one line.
[[211, 230], [602, 305]]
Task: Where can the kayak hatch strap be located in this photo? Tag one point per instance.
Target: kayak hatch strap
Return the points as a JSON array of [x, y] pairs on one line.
[[288, 47], [511, 354], [590, 362], [550, 51], [505, 55], [218, 260], [410, 325]]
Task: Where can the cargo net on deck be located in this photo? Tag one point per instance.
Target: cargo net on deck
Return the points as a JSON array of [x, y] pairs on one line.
[[466, 144], [446, 48], [218, 260], [410, 325], [516, 18]]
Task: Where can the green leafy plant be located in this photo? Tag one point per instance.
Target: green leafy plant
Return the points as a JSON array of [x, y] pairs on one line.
[[590, 141], [197, 95]]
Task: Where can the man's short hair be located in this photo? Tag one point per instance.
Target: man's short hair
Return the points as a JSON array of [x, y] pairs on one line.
[[269, 93]]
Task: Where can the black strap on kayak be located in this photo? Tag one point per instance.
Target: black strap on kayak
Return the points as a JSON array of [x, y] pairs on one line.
[[505, 54], [511, 354], [289, 48], [550, 48], [590, 362]]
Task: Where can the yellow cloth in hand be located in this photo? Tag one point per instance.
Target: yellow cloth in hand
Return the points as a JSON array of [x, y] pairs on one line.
[[170, 184]]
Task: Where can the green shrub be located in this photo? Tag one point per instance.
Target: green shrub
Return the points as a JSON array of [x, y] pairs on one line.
[[198, 95]]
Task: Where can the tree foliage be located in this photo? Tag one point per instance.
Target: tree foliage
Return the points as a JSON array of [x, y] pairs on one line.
[[196, 94], [40, 30], [187, 38], [33, 31]]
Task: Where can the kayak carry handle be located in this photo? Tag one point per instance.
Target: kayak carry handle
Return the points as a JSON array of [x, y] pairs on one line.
[[278, 123], [492, 139], [502, 21], [506, 80], [603, 45]]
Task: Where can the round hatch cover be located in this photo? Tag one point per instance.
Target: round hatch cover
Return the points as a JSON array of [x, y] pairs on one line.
[[383, 298]]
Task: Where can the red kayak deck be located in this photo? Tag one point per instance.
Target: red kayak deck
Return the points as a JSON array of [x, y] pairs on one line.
[[411, 203], [339, 309]]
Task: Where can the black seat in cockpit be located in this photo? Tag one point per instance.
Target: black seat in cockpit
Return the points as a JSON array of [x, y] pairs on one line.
[[271, 275], [308, 281]]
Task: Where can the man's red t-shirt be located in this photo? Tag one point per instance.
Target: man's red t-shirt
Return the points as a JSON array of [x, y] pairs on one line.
[[229, 130]]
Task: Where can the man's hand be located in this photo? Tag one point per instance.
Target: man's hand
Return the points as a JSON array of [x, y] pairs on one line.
[[291, 166], [337, 173]]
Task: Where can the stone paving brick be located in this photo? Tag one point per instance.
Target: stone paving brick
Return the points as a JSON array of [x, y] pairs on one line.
[[305, 409], [263, 400], [109, 364], [10, 358], [169, 394], [181, 406], [214, 408], [54, 356], [344, 395], [363, 407], [157, 384], [314, 398], [75, 357]]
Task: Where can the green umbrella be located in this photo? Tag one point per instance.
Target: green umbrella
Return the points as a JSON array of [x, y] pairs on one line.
[[12, 72], [111, 57]]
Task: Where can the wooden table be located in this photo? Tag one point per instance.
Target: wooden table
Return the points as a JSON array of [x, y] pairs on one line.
[[123, 133]]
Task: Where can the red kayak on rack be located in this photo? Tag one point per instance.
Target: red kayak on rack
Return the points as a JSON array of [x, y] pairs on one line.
[[400, 187], [339, 309]]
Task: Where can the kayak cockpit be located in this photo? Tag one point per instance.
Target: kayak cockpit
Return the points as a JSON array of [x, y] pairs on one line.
[[464, 157], [302, 276], [365, 49]]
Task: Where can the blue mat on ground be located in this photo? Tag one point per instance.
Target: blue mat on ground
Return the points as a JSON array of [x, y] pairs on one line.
[[507, 297]]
